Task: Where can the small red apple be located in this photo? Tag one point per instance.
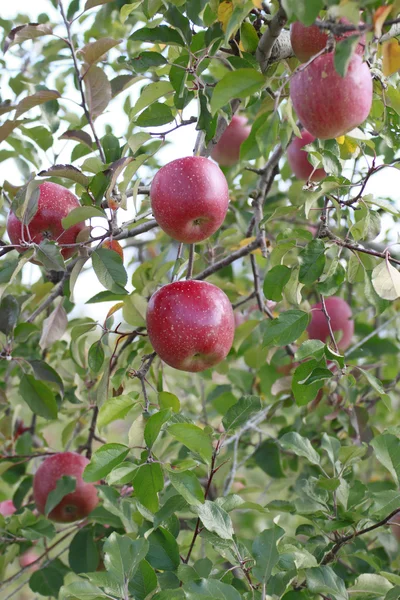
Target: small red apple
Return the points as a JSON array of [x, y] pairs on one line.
[[327, 104], [7, 508], [115, 246], [298, 159], [341, 320], [227, 151], [308, 41], [55, 202], [73, 506], [190, 325], [189, 198]]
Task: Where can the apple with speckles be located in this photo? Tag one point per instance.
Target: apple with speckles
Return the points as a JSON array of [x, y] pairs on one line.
[[55, 202], [7, 508], [74, 506], [190, 325], [189, 198], [307, 41], [327, 104], [340, 318], [298, 159], [227, 151]]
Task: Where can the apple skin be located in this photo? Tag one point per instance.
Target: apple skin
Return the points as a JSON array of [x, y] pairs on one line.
[[115, 246], [29, 557], [7, 508], [190, 325], [308, 41], [77, 504], [55, 203], [227, 151], [189, 198], [327, 104], [298, 159], [340, 314]]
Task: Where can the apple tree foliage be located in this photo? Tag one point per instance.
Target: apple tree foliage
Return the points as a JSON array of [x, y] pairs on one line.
[[271, 475]]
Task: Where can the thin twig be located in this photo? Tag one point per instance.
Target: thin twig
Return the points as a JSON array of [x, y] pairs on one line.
[[189, 273]]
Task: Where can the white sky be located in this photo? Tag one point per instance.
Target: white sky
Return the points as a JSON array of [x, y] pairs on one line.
[[385, 183]]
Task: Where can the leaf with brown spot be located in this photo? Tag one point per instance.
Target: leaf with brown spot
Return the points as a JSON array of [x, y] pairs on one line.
[[36, 100], [67, 171], [98, 90], [8, 127], [93, 51], [26, 32], [391, 57], [79, 136]]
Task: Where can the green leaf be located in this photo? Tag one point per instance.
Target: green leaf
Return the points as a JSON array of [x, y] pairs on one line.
[[110, 144], [81, 213], [163, 552], [241, 412], [268, 458], [323, 580], [305, 10], [48, 580], [310, 348], [103, 461], [159, 35], [173, 505], [188, 486], [205, 589], [96, 357], [154, 424], [9, 313], [312, 260], [194, 438], [144, 581], [294, 442], [148, 481], [249, 37], [147, 60], [64, 486], [286, 328], [387, 451], [122, 556], [343, 52], [274, 282], [113, 409], [370, 584], [83, 555], [236, 84], [168, 400], [374, 382], [386, 281], [38, 397], [148, 95], [155, 115], [265, 552], [215, 518], [49, 254], [109, 268], [81, 590]]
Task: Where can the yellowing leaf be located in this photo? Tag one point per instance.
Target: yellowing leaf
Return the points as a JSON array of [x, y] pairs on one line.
[[391, 57], [114, 309], [380, 16], [340, 140], [225, 10], [257, 3]]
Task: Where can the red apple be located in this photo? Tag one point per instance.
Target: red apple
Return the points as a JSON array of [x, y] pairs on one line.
[[341, 320], [7, 508], [189, 198], [55, 202], [298, 159], [115, 246], [396, 526], [29, 557], [227, 151], [190, 325], [327, 104], [308, 41], [73, 506]]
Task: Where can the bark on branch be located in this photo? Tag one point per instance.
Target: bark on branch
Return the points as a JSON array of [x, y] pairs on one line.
[[270, 37]]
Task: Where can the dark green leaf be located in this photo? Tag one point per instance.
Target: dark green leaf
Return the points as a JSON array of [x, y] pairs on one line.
[[163, 551], [38, 397], [155, 115], [9, 313], [266, 553], [241, 412], [109, 269], [64, 486], [159, 35], [312, 262], [83, 555], [104, 460], [286, 328], [148, 480], [274, 282]]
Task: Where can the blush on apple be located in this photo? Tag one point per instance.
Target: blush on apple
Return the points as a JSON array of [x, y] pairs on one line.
[[7, 508], [55, 203], [189, 198], [29, 558], [73, 506], [298, 159], [341, 321], [115, 246], [227, 151], [190, 325], [327, 104], [308, 41]]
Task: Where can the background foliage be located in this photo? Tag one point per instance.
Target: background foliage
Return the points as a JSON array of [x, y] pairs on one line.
[[241, 481]]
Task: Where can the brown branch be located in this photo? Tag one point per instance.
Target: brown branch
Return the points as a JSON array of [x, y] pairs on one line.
[[147, 361], [91, 434], [270, 37], [328, 319], [189, 274], [228, 260], [325, 232], [143, 228]]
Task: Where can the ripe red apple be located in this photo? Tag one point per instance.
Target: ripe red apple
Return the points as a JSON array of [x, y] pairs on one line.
[[189, 198], [298, 159], [55, 202], [396, 526], [73, 506], [115, 246], [7, 508], [341, 320], [308, 41], [190, 325], [327, 104], [227, 151]]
